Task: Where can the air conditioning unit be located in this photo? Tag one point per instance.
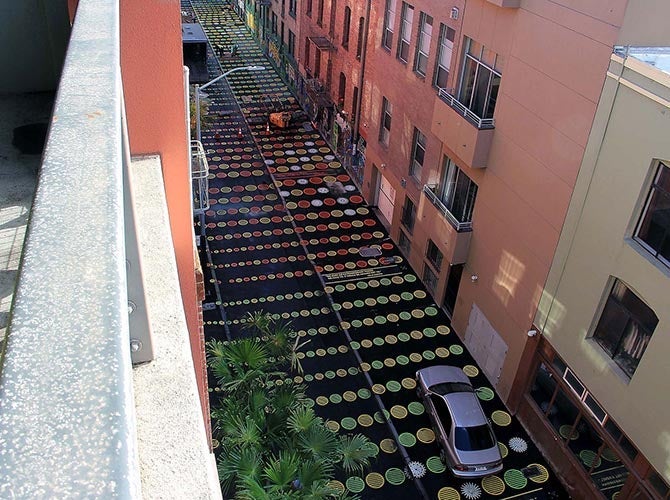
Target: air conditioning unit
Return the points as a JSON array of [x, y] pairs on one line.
[[454, 13]]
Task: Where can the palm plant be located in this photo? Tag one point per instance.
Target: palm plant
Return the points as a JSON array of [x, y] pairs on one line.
[[272, 443]]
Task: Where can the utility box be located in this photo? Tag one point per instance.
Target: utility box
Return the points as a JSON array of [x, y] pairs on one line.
[[194, 43]]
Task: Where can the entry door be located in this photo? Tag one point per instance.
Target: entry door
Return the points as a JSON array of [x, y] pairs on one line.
[[451, 290], [485, 344], [385, 199]]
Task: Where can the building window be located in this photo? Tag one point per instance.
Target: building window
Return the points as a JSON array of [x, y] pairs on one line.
[[404, 243], [457, 191], [423, 44], [291, 43], [282, 33], [292, 7], [408, 215], [443, 62], [361, 32], [385, 124], [389, 19], [625, 327], [308, 10], [480, 81], [342, 89], [429, 279], [434, 255], [418, 154], [307, 53], [346, 26], [653, 230], [406, 19], [319, 13], [274, 24]]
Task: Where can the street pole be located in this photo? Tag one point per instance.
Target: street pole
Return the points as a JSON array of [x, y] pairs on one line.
[[198, 88]]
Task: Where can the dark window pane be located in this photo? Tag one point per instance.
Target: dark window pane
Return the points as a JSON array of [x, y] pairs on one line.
[[654, 228], [481, 87], [473, 438], [429, 278], [469, 71]]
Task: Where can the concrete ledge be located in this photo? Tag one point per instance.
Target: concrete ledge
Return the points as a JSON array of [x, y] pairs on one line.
[[174, 457]]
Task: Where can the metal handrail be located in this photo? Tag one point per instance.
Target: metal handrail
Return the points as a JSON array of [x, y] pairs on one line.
[[199, 178], [454, 103], [67, 426], [429, 191]]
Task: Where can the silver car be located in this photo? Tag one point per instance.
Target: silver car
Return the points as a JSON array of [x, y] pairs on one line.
[[468, 446]]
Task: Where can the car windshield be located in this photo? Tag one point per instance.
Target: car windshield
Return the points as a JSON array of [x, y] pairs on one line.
[[474, 438], [449, 387]]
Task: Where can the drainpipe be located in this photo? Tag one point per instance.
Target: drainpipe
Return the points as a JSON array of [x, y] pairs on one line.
[[364, 51]]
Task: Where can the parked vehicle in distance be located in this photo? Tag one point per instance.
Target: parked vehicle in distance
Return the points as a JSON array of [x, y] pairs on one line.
[[468, 445]]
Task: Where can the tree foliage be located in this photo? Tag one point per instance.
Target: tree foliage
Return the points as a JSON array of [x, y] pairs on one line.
[[272, 443]]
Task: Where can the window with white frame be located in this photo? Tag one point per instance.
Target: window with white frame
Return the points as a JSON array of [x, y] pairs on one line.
[[653, 229], [443, 60], [457, 191], [389, 19], [480, 80], [423, 44], [418, 154], [625, 327], [406, 20], [385, 124]]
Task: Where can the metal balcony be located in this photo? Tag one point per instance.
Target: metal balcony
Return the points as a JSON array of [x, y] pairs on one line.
[[451, 100], [429, 191]]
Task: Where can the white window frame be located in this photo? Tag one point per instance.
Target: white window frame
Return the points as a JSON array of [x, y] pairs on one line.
[[423, 44], [405, 38]]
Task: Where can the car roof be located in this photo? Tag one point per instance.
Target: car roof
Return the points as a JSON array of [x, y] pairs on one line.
[[465, 409], [442, 373]]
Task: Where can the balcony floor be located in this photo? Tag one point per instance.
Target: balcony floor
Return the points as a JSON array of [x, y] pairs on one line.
[[18, 180], [284, 237]]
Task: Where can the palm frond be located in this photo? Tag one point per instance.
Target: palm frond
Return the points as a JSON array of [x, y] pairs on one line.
[[282, 470], [355, 453], [301, 420], [320, 443]]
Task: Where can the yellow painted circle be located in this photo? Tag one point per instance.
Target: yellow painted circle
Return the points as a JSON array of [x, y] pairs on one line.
[[332, 425], [365, 420], [399, 411], [390, 362], [415, 357], [322, 400], [542, 477], [341, 372], [336, 485], [416, 334], [374, 480], [443, 330], [471, 370], [502, 418], [503, 449], [366, 343], [425, 435], [493, 485], [349, 396], [408, 383], [388, 445], [391, 339], [448, 493], [378, 389], [365, 367], [442, 352], [420, 294]]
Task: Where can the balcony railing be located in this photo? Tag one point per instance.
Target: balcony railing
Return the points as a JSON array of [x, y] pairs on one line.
[[454, 103], [429, 191], [199, 178]]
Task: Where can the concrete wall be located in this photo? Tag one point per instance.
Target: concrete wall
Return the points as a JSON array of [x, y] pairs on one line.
[[33, 36], [152, 71], [630, 131], [646, 23]]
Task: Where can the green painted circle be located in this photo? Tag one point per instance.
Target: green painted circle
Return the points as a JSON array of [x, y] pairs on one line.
[[337, 307], [362, 285], [385, 281], [395, 476], [402, 359], [410, 278], [359, 303], [348, 423], [416, 408], [374, 449], [331, 350], [431, 311], [456, 349], [363, 393], [380, 320], [378, 341], [429, 332], [435, 465], [590, 458], [379, 417], [330, 374], [352, 370], [355, 484], [339, 288], [393, 385], [335, 398], [403, 337], [407, 439], [382, 299], [309, 402], [429, 355], [377, 365], [308, 378], [407, 296], [357, 323], [405, 315], [485, 393], [355, 345], [515, 479]]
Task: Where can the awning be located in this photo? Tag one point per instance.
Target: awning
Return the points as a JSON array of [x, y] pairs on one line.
[[322, 43]]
